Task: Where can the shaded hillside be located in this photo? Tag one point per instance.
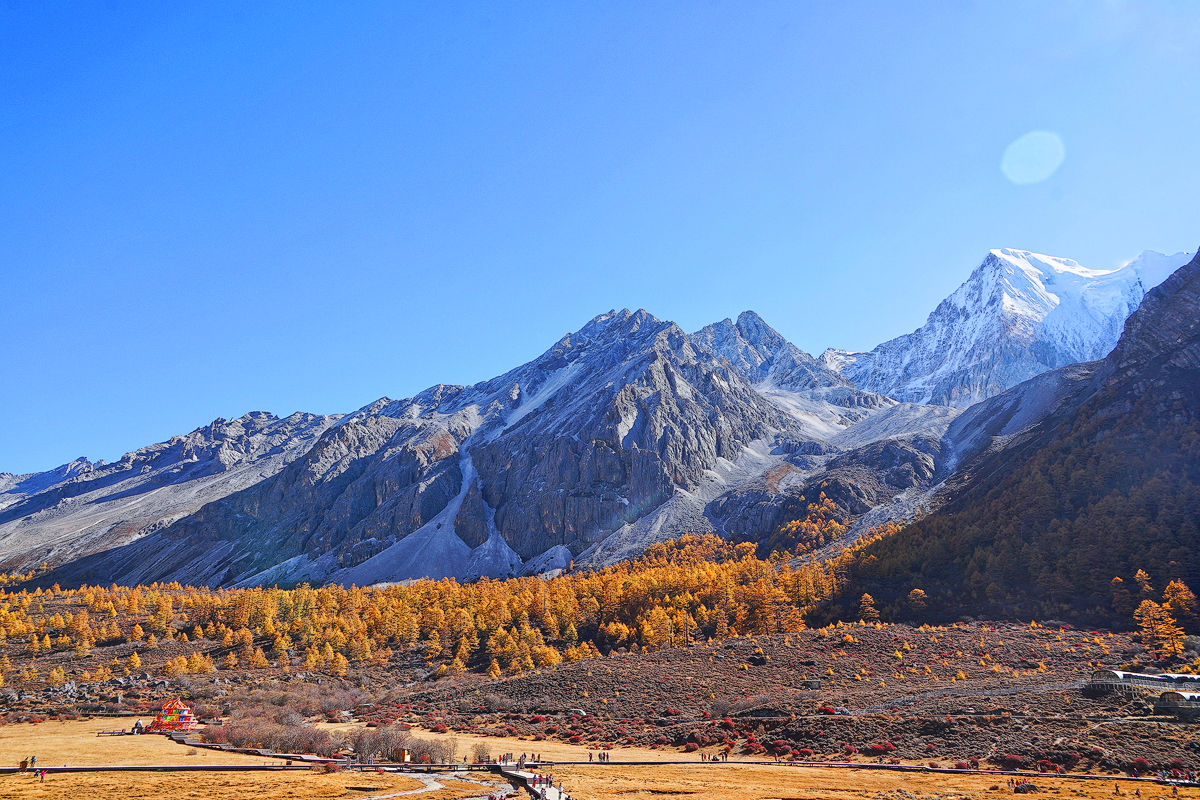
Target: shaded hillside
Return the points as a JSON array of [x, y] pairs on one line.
[[1107, 484]]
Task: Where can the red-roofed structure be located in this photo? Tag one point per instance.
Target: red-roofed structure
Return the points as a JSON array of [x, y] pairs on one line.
[[175, 716]]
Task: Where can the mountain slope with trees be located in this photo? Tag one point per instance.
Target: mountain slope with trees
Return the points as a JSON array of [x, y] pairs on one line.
[[1058, 524]]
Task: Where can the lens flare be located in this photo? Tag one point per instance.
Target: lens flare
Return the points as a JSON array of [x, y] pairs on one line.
[[1033, 158]]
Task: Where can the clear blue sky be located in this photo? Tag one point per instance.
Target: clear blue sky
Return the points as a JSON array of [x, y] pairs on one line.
[[207, 209]]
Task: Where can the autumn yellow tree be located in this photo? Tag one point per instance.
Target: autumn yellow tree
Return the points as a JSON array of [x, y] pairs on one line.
[[1181, 601], [918, 601], [259, 659], [866, 609], [1158, 629]]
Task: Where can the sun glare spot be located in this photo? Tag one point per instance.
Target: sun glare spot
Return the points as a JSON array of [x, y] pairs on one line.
[[1033, 158]]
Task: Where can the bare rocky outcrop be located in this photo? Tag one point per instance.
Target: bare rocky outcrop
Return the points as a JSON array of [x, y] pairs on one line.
[[84, 507]]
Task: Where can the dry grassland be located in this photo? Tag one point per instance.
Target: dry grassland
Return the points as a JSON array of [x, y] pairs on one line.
[[745, 782], [208, 786], [549, 749], [76, 744]]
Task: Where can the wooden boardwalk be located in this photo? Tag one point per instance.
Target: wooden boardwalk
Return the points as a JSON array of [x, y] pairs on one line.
[[530, 782]]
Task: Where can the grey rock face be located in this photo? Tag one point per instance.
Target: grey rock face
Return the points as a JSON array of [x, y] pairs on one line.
[[600, 429], [83, 507], [15, 488], [856, 481], [759, 354]]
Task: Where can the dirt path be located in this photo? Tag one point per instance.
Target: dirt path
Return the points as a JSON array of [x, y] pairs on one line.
[[430, 785]]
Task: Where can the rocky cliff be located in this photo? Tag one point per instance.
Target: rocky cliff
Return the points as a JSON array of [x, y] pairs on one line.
[[623, 433], [83, 507]]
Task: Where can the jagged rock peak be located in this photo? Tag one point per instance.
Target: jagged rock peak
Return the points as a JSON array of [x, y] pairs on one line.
[[75, 467], [760, 353], [624, 321], [836, 359]]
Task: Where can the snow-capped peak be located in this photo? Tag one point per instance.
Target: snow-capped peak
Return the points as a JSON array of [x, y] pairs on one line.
[[1038, 264], [1019, 314], [1153, 267]]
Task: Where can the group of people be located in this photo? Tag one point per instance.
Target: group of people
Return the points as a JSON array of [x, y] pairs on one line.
[[541, 783], [30, 765], [721, 756], [509, 758], [1185, 775], [600, 756]]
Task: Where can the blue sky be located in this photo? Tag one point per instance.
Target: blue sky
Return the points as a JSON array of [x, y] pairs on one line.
[[207, 209]]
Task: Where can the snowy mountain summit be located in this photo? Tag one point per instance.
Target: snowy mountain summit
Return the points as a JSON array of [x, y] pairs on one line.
[[1018, 315]]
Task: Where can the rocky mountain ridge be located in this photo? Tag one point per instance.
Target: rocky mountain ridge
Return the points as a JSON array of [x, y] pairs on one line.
[[83, 506], [623, 433]]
